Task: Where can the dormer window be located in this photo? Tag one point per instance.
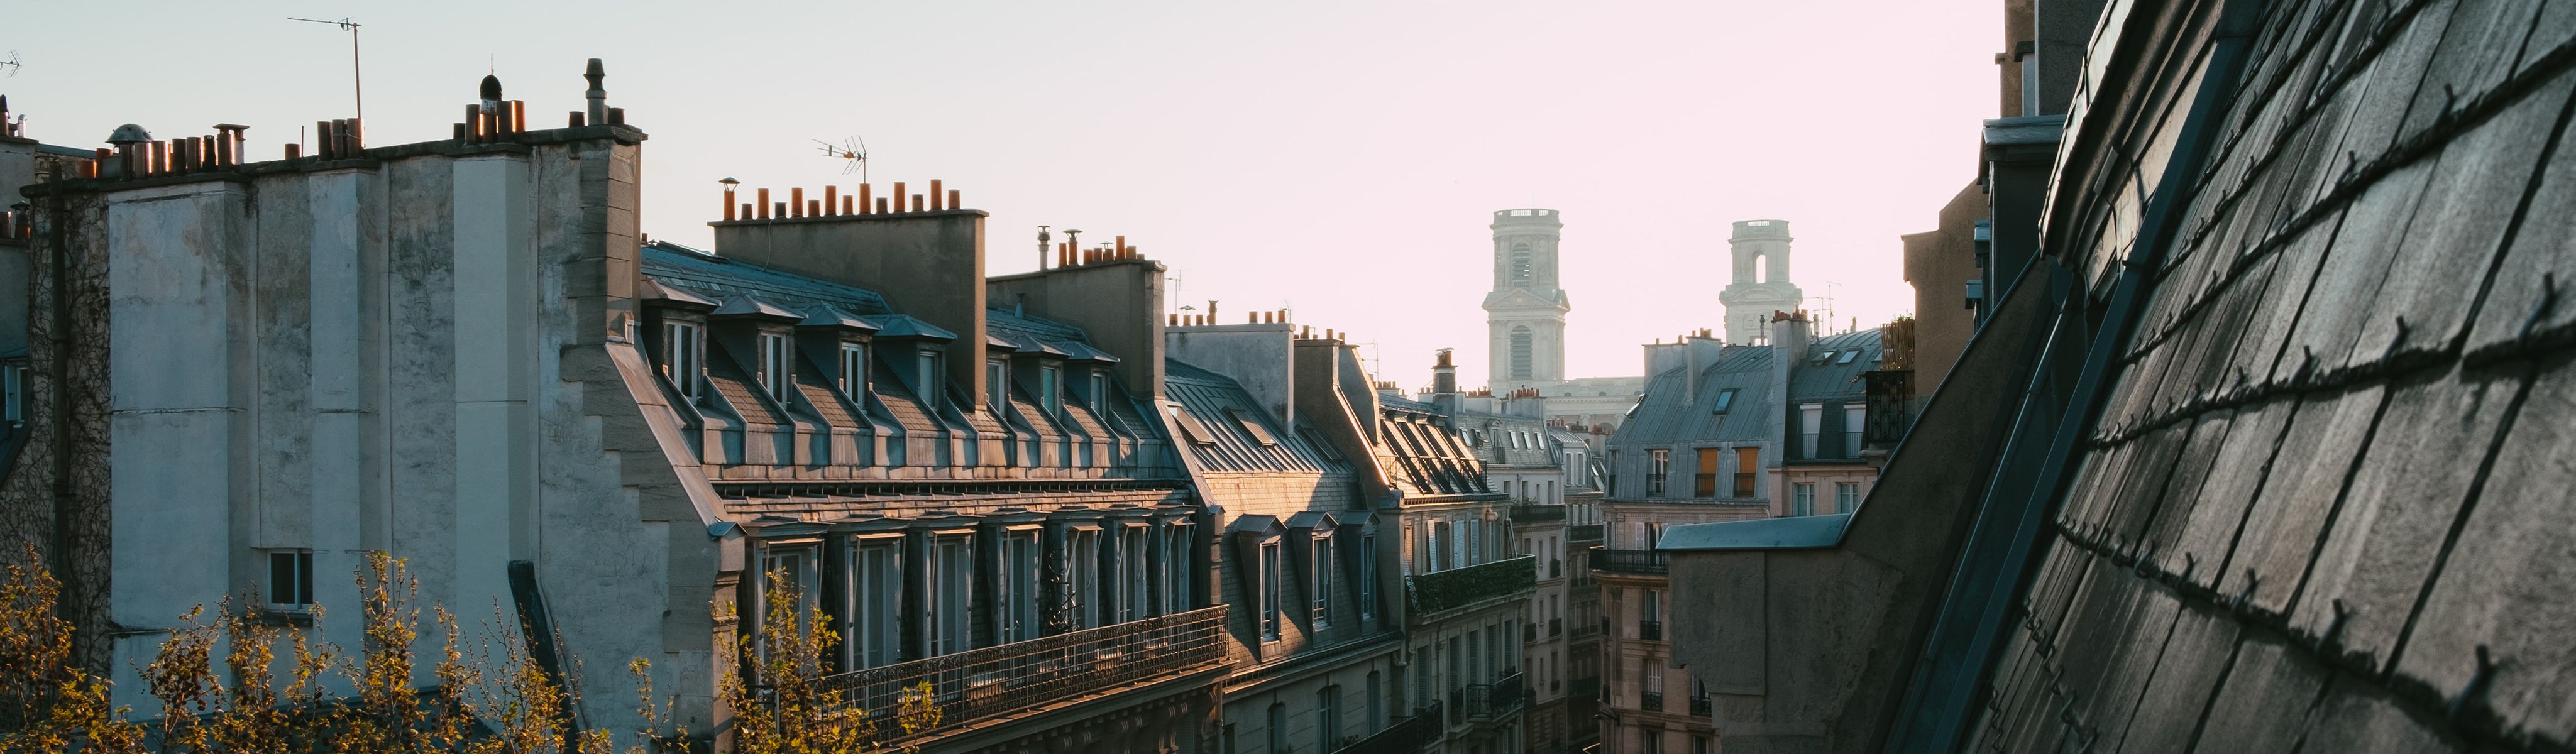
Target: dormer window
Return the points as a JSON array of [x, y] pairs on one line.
[[682, 348], [854, 369], [1099, 392], [997, 389], [928, 370], [774, 371], [1050, 396]]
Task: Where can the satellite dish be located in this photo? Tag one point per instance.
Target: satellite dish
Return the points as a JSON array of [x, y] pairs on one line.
[[854, 151]]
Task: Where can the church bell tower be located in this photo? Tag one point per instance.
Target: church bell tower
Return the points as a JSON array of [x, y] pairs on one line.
[[1525, 313], [1760, 284]]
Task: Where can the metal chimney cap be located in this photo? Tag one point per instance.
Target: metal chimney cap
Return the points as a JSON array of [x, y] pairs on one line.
[[491, 87], [129, 134]]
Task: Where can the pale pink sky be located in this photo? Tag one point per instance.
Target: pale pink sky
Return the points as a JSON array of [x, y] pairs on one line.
[[1340, 158]]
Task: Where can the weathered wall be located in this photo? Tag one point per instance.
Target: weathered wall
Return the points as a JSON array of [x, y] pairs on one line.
[[1258, 357], [1939, 264], [1119, 303], [929, 265]]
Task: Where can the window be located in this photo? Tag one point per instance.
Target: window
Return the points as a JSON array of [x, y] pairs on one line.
[[681, 350], [1321, 595], [1132, 563], [1191, 428], [1376, 709], [1438, 542], [1520, 261], [1811, 419], [1704, 483], [1853, 418], [1802, 499], [1049, 391], [1725, 400], [790, 566], [929, 373], [878, 583], [1652, 741], [1177, 541], [1846, 497], [952, 589], [1657, 461], [1848, 356], [854, 370], [1368, 577], [1748, 462], [1082, 577], [1252, 426], [1018, 586], [997, 386], [1099, 392], [290, 578], [1328, 716], [773, 365], [1278, 729], [1269, 590], [1520, 353], [1650, 689]]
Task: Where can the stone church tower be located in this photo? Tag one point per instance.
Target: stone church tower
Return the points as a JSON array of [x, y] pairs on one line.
[[1526, 311], [1760, 284]]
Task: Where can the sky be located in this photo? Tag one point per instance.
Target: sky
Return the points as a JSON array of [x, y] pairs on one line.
[[1341, 159]]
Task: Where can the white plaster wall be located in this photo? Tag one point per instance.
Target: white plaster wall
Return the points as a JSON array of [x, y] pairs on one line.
[[177, 392], [494, 448]]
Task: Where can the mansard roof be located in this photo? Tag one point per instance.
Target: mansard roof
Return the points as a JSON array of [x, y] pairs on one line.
[[1223, 408]]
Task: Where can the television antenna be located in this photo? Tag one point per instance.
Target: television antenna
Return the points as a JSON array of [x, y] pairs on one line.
[[854, 151], [11, 64], [357, 87]]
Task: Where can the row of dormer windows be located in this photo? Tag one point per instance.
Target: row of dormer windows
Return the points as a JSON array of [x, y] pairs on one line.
[[682, 360]]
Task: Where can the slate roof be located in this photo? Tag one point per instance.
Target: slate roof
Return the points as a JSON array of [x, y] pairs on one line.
[[1222, 406], [1663, 418], [2326, 504]]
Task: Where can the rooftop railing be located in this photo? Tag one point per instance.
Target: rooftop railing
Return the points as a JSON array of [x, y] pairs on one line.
[[1404, 737], [1644, 562], [1583, 533], [1495, 700], [977, 684], [1533, 513]]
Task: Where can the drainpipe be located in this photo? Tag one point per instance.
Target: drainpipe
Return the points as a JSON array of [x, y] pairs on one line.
[[1935, 713]]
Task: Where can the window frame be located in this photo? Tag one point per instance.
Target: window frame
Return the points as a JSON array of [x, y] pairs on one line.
[[1271, 575], [931, 371], [1659, 461], [684, 363], [777, 370], [854, 370], [875, 632], [298, 579], [1802, 498], [1319, 550]]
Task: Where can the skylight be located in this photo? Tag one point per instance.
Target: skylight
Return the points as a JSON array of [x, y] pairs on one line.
[[1847, 357], [1191, 429], [1252, 426], [1725, 399]]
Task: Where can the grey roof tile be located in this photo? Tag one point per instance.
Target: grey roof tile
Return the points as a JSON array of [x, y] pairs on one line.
[[2384, 540], [2355, 717], [2268, 686], [2188, 670], [2208, 539], [2339, 304], [2507, 583], [2298, 494], [2540, 256]]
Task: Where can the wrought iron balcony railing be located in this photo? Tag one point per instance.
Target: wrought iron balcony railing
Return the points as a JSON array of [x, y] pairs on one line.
[[976, 684], [1495, 700], [1641, 562], [1555, 626], [1650, 630], [1583, 532], [1404, 737], [1533, 513], [1700, 706], [1650, 701], [1457, 587]]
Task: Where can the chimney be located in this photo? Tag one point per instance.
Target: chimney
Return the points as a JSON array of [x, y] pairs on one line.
[[1444, 375], [1701, 351], [1119, 305], [930, 267], [598, 95]]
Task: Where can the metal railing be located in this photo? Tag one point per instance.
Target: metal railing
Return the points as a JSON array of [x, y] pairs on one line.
[[1555, 569], [1650, 701], [1644, 562], [1490, 701], [1531, 513], [970, 686], [1456, 587], [1583, 533], [1405, 736], [1529, 632], [1555, 626], [1700, 706], [1651, 630]]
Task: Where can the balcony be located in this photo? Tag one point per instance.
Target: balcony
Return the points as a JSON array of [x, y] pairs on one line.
[[1459, 587], [1494, 701], [1404, 737], [1555, 627], [1650, 701], [1556, 569], [1634, 562], [1535, 513], [1586, 688], [974, 685], [1700, 706], [1650, 630], [1529, 632], [1583, 533]]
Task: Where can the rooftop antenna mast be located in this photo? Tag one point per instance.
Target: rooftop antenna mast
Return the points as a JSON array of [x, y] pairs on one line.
[[11, 64], [854, 150], [357, 85], [1828, 300]]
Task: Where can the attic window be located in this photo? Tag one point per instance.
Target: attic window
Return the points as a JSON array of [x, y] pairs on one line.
[[1191, 429], [1725, 400], [1847, 357], [1825, 357], [1252, 426]]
